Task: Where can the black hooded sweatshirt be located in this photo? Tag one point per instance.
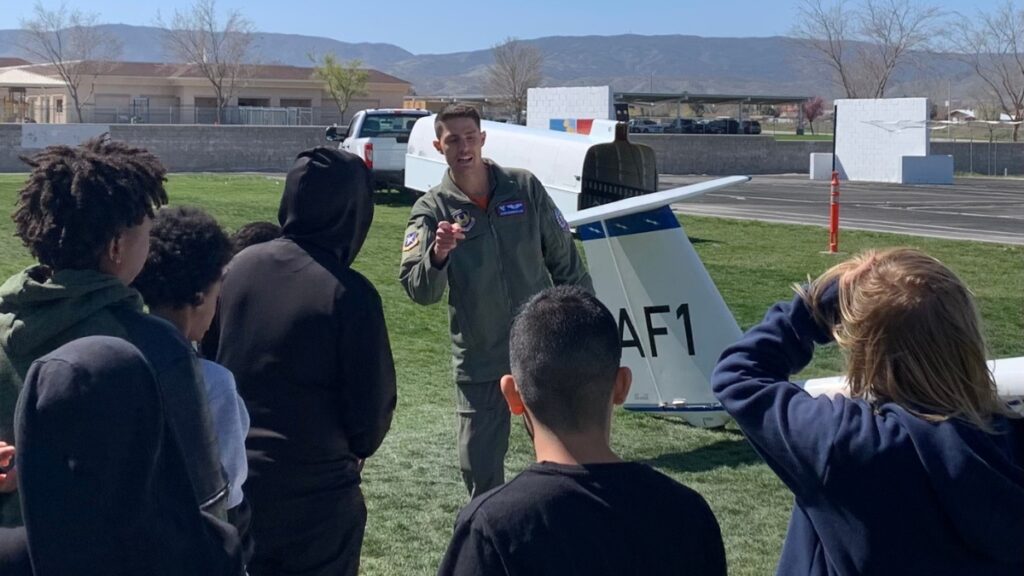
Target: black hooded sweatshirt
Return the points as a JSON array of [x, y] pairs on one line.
[[304, 335], [104, 488]]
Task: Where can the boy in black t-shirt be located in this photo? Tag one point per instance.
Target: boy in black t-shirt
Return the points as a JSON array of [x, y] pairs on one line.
[[580, 509]]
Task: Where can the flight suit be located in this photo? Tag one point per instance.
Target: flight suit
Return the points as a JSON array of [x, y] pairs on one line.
[[517, 247]]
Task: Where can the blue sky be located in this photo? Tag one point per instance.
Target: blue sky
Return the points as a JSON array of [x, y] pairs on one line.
[[442, 26]]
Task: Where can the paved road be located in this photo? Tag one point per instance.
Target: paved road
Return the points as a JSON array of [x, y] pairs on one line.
[[983, 209]]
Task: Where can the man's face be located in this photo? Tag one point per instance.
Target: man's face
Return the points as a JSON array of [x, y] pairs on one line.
[[461, 142]]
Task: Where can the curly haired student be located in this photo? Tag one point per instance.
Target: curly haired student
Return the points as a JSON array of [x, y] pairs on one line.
[[85, 215], [180, 283], [918, 470]]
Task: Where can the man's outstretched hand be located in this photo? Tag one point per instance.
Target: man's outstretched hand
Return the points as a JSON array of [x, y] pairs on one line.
[[447, 238]]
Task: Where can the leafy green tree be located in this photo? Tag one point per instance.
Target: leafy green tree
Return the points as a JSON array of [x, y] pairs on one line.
[[345, 81]]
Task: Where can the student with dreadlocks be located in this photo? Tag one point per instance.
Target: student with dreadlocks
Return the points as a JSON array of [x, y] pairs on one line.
[[85, 215]]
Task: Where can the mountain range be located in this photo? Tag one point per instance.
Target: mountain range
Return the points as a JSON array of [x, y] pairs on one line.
[[629, 63]]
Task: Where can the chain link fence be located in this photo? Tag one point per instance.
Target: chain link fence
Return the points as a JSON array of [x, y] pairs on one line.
[[41, 112]]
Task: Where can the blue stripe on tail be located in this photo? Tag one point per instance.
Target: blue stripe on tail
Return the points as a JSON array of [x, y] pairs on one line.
[[658, 219]]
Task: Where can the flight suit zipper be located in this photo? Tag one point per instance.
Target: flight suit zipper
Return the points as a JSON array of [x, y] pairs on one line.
[[500, 257]]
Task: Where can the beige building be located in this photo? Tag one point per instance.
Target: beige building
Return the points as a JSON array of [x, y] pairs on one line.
[[489, 107], [153, 93]]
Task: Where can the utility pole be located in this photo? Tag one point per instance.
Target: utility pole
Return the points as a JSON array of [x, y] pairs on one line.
[[949, 103]]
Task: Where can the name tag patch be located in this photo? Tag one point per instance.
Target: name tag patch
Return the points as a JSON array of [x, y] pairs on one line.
[[513, 208]]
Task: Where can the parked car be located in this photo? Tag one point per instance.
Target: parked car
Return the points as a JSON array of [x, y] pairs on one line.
[[751, 127], [722, 126], [380, 137], [681, 126], [645, 125]]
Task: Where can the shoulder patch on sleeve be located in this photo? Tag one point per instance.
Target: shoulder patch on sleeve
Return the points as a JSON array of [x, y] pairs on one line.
[[412, 240], [561, 220]]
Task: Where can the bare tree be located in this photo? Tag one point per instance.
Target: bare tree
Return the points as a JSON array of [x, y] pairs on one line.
[[993, 45], [220, 52], [517, 68], [864, 43], [892, 30], [827, 30], [344, 81], [70, 41]]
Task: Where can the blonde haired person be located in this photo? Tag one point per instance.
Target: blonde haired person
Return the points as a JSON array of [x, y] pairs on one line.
[[918, 470]]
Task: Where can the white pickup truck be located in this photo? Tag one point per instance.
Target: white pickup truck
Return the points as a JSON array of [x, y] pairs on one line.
[[380, 137]]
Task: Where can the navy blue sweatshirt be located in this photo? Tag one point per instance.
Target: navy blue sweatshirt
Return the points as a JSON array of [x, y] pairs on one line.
[[877, 489]]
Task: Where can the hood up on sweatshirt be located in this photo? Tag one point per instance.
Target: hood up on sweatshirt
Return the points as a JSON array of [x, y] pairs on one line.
[[104, 487], [328, 202]]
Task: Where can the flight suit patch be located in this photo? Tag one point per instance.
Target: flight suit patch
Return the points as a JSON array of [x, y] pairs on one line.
[[412, 240], [512, 208], [463, 219], [561, 220]]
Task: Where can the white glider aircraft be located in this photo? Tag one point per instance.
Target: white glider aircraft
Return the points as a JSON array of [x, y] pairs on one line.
[[673, 322]]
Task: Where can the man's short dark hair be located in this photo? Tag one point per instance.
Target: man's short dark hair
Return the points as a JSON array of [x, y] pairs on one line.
[[78, 199], [453, 111], [187, 254], [565, 354], [254, 233]]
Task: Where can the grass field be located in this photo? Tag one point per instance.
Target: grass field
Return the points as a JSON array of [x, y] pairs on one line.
[[412, 485]]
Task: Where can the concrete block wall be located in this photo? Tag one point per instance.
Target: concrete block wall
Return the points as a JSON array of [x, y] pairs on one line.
[[544, 104], [875, 134], [273, 148], [821, 166], [931, 169], [10, 148], [39, 136], [182, 148], [223, 148], [728, 154], [985, 158]]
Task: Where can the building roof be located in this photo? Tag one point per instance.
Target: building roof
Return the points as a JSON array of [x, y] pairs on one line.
[[22, 78], [254, 72], [6, 62]]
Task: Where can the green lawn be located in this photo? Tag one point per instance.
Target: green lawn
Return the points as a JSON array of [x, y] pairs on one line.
[[412, 485]]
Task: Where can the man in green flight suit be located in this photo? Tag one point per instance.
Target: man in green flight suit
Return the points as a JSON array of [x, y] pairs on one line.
[[496, 238]]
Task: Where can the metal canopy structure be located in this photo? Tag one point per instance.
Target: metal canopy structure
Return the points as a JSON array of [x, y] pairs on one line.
[[741, 101], [651, 98]]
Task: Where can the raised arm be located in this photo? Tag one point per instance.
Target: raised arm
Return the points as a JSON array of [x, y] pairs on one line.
[[789, 428], [423, 281]]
